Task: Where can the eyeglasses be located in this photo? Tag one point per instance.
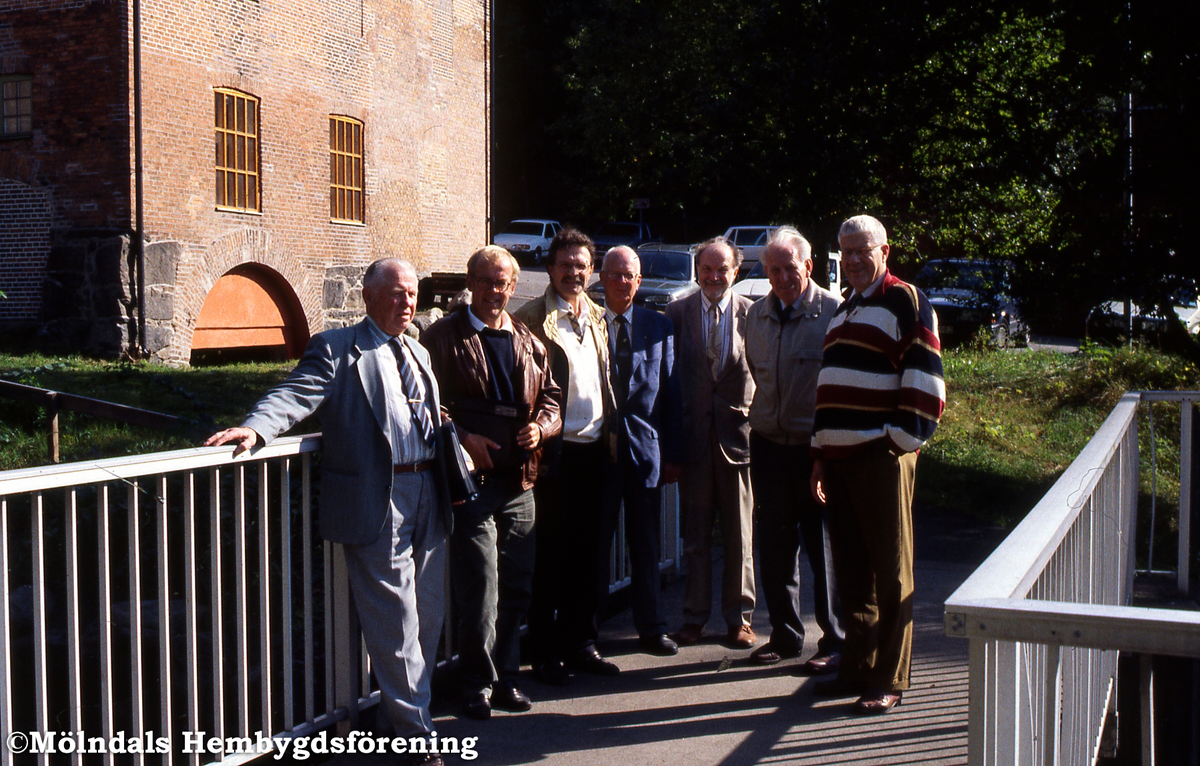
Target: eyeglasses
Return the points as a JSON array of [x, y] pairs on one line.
[[622, 276], [499, 285], [860, 252]]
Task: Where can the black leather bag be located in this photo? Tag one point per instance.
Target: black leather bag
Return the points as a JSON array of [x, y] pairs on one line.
[[498, 421], [458, 477]]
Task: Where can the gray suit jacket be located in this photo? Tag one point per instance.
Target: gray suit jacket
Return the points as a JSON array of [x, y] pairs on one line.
[[339, 378], [721, 406]]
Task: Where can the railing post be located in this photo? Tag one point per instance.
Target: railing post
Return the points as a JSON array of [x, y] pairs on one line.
[[1186, 456], [1052, 709], [344, 644], [1146, 677], [52, 427]]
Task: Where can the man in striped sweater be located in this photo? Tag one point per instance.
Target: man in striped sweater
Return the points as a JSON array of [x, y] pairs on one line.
[[880, 394]]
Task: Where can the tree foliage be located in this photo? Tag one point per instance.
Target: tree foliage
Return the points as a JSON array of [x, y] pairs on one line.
[[989, 129]]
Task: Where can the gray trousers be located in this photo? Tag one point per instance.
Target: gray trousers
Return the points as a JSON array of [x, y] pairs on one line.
[[492, 550], [787, 514], [399, 588]]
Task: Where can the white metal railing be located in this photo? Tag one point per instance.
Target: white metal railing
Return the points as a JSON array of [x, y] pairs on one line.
[[173, 593], [183, 592], [1049, 611]]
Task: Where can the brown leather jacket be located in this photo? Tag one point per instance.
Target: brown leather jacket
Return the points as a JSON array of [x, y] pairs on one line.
[[461, 369]]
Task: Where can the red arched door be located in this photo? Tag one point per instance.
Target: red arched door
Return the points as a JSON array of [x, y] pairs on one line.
[[251, 314]]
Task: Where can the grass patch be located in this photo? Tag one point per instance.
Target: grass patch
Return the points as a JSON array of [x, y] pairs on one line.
[[206, 398], [1013, 421]]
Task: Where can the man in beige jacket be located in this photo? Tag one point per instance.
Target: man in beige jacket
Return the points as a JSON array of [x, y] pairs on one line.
[[785, 335]]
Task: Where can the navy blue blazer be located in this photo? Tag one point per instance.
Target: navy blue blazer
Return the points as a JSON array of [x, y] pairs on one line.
[[651, 420]]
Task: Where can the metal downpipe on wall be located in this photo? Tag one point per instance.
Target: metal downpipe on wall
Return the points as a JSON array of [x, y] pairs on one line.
[[139, 226]]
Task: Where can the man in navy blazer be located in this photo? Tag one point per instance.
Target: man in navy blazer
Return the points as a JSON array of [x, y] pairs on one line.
[[647, 427], [382, 489]]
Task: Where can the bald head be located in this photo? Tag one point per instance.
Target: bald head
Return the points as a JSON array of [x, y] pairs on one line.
[[390, 293], [621, 274]]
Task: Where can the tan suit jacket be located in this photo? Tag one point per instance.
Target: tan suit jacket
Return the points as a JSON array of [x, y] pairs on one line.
[[718, 407]]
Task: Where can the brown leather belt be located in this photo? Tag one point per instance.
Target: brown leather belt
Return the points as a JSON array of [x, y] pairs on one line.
[[413, 467]]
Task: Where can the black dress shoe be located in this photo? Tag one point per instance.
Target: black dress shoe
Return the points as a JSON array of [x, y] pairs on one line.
[[770, 654], [506, 696], [551, 673], [659, 644], [590, 661], [478, 707]]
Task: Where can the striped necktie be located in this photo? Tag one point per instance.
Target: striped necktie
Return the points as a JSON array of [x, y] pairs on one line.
[[408, 379]]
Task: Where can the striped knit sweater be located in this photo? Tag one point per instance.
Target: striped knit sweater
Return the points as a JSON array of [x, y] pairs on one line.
[[881, 377]]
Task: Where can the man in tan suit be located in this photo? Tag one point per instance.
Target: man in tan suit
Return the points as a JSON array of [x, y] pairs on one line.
[[710, 343]]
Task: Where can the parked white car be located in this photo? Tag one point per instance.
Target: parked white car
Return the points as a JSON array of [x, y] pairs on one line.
[[528, 238], [751, 239], [755, 285]]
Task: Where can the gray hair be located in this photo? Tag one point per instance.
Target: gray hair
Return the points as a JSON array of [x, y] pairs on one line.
[[634, 258], [788, 237], [374, 273], [737, 251], [861, 224]]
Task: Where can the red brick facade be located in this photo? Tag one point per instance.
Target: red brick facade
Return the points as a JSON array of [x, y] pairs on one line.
[[415, 73]]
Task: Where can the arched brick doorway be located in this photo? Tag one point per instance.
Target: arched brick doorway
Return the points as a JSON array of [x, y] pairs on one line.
[[251, 314]]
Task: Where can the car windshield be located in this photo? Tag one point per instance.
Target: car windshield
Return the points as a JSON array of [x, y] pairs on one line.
[[618, 230], [666, 264], [757, 272], [527, 228]]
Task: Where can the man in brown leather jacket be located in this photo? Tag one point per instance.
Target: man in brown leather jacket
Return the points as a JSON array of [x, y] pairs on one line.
[[497, 387]]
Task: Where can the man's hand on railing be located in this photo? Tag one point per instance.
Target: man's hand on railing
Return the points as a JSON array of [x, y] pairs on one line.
[[246, 438]]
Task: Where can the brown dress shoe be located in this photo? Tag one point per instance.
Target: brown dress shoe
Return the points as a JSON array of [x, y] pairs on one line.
[[823, 664], [742, 637], [877, 703], [689, 634]]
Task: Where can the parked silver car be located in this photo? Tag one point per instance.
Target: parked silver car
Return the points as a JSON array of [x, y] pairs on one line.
[[668, 274]]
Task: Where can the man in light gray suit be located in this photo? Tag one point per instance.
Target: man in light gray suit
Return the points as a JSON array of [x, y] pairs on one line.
[[710, 354], [383, 493]]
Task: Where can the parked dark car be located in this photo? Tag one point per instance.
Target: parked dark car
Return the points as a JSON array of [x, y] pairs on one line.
[[616, 233], [971, 295], [668, 274]]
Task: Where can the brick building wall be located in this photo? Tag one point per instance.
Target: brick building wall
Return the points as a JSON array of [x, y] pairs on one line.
[[72, 171], [415, 74], [25, 241]]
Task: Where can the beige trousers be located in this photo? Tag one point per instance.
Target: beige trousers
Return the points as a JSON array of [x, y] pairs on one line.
[[714, 488]]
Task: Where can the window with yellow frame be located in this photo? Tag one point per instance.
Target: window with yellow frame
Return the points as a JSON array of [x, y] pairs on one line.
[[345, 169], [238, 186]]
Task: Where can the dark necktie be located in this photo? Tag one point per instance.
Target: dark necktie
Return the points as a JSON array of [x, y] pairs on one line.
[[408, 379], [853, 303], [784, 312], [622, 361]]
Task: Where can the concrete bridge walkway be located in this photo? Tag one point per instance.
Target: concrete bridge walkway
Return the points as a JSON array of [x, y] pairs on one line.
[[709, 705]]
